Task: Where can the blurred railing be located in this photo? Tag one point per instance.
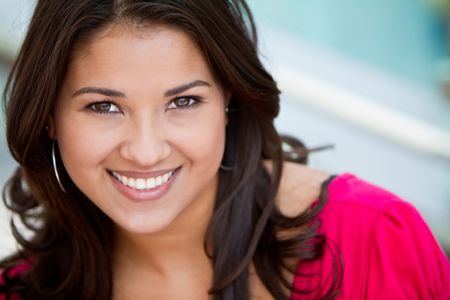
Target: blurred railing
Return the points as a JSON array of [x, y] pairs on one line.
[[364, 112]]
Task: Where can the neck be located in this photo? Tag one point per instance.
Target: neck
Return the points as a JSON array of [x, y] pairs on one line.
[[179, 245]]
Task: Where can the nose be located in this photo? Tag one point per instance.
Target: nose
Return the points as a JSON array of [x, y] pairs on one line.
[[145, 142]]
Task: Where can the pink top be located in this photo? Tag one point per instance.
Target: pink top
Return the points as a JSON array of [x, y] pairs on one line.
[[387, 250], [17, 270]]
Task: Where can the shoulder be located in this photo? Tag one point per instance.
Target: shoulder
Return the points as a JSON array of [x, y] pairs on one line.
[[355, 206], [350, 200], [358, 211], [300, 186], [387, 248], [348, 194]]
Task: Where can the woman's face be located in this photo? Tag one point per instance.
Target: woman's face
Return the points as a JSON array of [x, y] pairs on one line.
[[140, 124]]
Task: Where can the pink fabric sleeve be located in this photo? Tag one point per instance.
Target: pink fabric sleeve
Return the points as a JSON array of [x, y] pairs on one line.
[[405, 261], [25, 266], [386, 248]]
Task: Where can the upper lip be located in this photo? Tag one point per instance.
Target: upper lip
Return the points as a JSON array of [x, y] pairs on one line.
[[139, 174]]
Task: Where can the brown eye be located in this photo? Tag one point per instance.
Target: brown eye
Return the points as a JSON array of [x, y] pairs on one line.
[[104, 107], [183, 102]]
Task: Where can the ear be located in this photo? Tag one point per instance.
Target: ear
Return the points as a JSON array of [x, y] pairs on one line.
[[51, 127]]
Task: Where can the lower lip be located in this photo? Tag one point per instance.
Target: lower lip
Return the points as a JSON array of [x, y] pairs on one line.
[[154, 194]]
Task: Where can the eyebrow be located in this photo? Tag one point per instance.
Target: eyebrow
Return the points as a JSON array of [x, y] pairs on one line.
[[113, 93], [185, 87], [98, 90]]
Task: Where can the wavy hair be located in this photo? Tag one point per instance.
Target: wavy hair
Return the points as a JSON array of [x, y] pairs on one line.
[[69, 245]]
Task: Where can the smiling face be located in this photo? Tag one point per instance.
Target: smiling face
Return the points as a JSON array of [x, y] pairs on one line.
[[140, 124]]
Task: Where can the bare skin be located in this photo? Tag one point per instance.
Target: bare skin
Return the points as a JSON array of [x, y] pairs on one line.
[[186, 272], [300, 186]]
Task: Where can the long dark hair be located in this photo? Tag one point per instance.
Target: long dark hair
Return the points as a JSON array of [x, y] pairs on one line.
[[69, 248]]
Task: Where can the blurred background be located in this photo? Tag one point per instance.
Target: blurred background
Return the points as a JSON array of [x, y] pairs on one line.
[[370, 77]]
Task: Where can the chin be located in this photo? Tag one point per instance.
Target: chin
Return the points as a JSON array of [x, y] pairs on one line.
[[146, 226]]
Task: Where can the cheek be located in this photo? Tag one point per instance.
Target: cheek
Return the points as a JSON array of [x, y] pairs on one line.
[[83, 146], [202, 140]]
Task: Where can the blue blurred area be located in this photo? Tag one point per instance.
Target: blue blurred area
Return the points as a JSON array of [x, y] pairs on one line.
[[407, 37]]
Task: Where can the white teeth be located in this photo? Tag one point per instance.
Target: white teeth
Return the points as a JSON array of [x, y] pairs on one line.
[[151, 183], [142, 183], [165, 177]]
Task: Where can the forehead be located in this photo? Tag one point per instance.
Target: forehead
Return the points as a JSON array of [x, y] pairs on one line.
[[160, 35], [154, 51]]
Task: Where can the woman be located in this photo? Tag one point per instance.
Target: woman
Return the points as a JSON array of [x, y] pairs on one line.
[[150, 169]]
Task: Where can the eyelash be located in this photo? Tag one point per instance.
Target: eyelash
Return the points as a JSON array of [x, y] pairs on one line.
[[193, 102]]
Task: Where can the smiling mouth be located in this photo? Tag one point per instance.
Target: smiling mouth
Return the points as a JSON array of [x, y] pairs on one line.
[[144, 184]]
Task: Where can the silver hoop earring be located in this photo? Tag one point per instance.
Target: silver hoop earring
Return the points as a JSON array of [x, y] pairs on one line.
[[225, 168], [227, 109], [55, 169]]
